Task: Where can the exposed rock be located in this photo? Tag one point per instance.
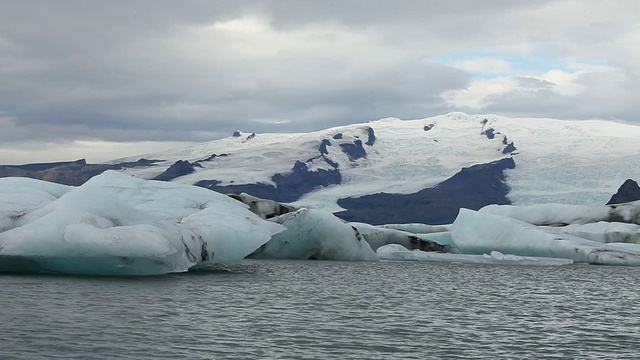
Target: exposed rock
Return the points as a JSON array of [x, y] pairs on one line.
[[371, 136], [509, 149], [337, 136], [289, 186], [429, 127], [355, 150], [628, 191], [179, 168], [323, 146], [471, 188], [212, 157], [237, 133], [489, 133], [209, 184]]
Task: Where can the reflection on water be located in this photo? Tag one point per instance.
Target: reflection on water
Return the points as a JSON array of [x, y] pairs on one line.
[[311, 310]]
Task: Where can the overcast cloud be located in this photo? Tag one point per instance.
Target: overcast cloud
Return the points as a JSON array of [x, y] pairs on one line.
[[104, 79]]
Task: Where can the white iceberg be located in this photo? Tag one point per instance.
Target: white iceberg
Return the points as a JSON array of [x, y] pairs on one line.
[[603, 232], [437, 233], [378, 236], [481, 233], [315, 234], [418, 228], [118, 225], [396, 252], [19, 195], [265, 208], [563, 214]]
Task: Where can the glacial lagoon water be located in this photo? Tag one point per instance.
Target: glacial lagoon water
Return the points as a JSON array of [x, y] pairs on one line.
[[320, 310]]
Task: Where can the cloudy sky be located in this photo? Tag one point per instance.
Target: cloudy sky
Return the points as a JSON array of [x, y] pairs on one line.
[[105, 79]]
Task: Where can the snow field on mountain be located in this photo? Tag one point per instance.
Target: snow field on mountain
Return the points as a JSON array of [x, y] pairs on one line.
[[570, 162], [574, 162]]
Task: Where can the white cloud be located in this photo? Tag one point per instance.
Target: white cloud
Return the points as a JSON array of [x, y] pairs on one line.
[[474, 97], [477, 96], [566, 84]]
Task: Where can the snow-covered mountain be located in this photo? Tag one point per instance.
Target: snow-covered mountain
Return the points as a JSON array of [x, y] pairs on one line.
[[554, 161], [398, 171]]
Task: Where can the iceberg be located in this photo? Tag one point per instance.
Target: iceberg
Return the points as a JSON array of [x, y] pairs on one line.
[[396, 252], [318, 235], [418, 228], [378, 236], [563, 214], [478, 232], [603, 232], [19, 195], [265, 208], [115, 224]]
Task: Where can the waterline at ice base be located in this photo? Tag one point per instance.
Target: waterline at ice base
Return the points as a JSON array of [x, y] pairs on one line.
[[116, 224]]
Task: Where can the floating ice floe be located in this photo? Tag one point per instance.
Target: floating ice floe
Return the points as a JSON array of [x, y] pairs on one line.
[[603, 232], [480, 232], [396, 252], [315, 234], [115, 224], [378, 236], [417, 228], [562, 214]]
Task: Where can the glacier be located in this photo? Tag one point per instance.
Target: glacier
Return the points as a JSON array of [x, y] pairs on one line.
[[571, 162], [115, 224]]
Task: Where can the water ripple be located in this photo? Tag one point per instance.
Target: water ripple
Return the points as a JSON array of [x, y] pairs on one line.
[[311, 310]]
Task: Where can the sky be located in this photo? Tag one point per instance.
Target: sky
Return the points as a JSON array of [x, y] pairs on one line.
[[106, 79]]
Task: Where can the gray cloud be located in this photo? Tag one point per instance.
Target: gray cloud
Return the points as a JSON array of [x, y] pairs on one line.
[[177, 71], [606, 96]]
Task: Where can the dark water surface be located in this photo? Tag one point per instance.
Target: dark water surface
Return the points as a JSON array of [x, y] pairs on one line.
[[319, 310]]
